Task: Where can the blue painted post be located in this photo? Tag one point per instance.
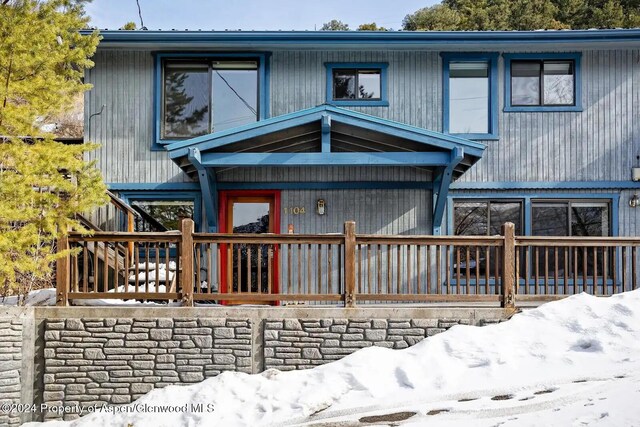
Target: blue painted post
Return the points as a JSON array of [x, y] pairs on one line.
[[326, 133]]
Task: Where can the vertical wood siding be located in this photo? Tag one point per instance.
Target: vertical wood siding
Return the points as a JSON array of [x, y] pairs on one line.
[[298, 81], [599, 143], [123, 82], [403, 212]]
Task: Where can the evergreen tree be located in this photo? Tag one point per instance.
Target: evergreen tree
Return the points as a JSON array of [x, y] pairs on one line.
[[129, 26], [177, 122], [371, 27], [334, 25], [43, 183], [482, 15]]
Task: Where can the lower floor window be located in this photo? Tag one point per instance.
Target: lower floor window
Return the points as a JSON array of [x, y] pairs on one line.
[[570, 218], [161, 215], [484, 218], [548, 217]]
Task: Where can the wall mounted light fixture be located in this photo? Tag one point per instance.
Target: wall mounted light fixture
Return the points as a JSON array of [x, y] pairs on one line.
[[320, 206], [634, 201]]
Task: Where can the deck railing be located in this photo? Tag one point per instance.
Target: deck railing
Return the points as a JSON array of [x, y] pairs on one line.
[[348, 267]]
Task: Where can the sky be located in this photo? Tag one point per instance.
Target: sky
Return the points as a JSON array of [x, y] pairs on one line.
[[251, 14]]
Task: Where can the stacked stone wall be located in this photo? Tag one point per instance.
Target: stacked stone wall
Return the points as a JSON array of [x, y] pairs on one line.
[[115, 361], [300, 343], [10, 369]]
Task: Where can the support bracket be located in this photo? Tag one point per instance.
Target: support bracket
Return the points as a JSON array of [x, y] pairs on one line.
[[441, 185], [209, 189]]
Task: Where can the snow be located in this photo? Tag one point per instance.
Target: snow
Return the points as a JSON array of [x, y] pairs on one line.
[[38, 297], [571, 362], [45, 297]]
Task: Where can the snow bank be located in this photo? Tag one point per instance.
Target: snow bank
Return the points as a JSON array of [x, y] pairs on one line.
[[546, 366]]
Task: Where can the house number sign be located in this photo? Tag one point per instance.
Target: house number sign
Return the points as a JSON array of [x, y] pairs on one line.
[[295, 210]]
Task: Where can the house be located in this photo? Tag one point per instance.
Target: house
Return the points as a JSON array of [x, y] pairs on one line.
[[343, 170], [406, 133]]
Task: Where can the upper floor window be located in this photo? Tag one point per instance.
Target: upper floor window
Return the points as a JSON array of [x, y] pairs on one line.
[[201, 97], [197, 93], [542, 82], [357, 84], [470, 95]]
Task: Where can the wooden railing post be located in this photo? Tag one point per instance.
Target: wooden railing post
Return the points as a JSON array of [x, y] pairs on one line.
[[349, 264], [508, 265], [130, 229], [62, 273], [186, 261]]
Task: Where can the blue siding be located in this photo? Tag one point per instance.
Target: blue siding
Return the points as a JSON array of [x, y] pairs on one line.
[[599, 143]]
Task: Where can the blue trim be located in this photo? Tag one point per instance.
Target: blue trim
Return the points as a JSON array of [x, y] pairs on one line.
[[546, 185], [576, 57], [527, 199], [154, 186], [263, 86], [384, 98], [492, 59], [326, 133], [208, 190], [336, 185], [358, 38], [195, 196], [342, 115], [328, 159], [441, 187]]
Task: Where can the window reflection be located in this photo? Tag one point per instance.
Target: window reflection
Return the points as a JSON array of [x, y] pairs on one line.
[[484, 218], [208, 96], [161, 215], [536, 82], [186, 105], [469, 97], [357, 84], [569, 218], [558, 83], [525, 83]]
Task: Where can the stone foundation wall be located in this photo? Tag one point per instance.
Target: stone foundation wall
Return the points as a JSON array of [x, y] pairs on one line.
[[88, 356], [300, 344], [115, 361], [10, 368]]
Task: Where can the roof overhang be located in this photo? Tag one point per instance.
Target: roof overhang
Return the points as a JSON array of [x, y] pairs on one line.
[[449, 40], [326, 136]]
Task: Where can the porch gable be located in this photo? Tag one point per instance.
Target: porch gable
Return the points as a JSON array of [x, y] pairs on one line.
[[326, 136]]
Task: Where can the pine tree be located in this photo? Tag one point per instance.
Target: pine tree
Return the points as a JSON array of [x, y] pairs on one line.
[[43, 183], [482, 15], [371, 27], [334, 25]]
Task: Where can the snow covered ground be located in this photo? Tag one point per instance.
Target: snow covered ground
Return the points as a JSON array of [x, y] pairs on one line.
[[573, 362]]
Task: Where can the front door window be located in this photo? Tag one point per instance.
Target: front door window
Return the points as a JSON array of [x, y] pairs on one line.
[[250, 262], [250, 267]]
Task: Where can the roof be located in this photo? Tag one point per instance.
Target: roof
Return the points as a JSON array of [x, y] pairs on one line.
[[363, 39], [326, 135]]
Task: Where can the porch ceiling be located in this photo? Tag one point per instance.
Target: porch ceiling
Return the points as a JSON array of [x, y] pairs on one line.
[[326, 135]]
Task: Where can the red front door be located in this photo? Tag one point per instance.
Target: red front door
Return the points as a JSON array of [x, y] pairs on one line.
[[249, 268]]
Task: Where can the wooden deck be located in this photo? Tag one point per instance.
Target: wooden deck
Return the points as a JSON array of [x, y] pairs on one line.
[[348, 269]]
